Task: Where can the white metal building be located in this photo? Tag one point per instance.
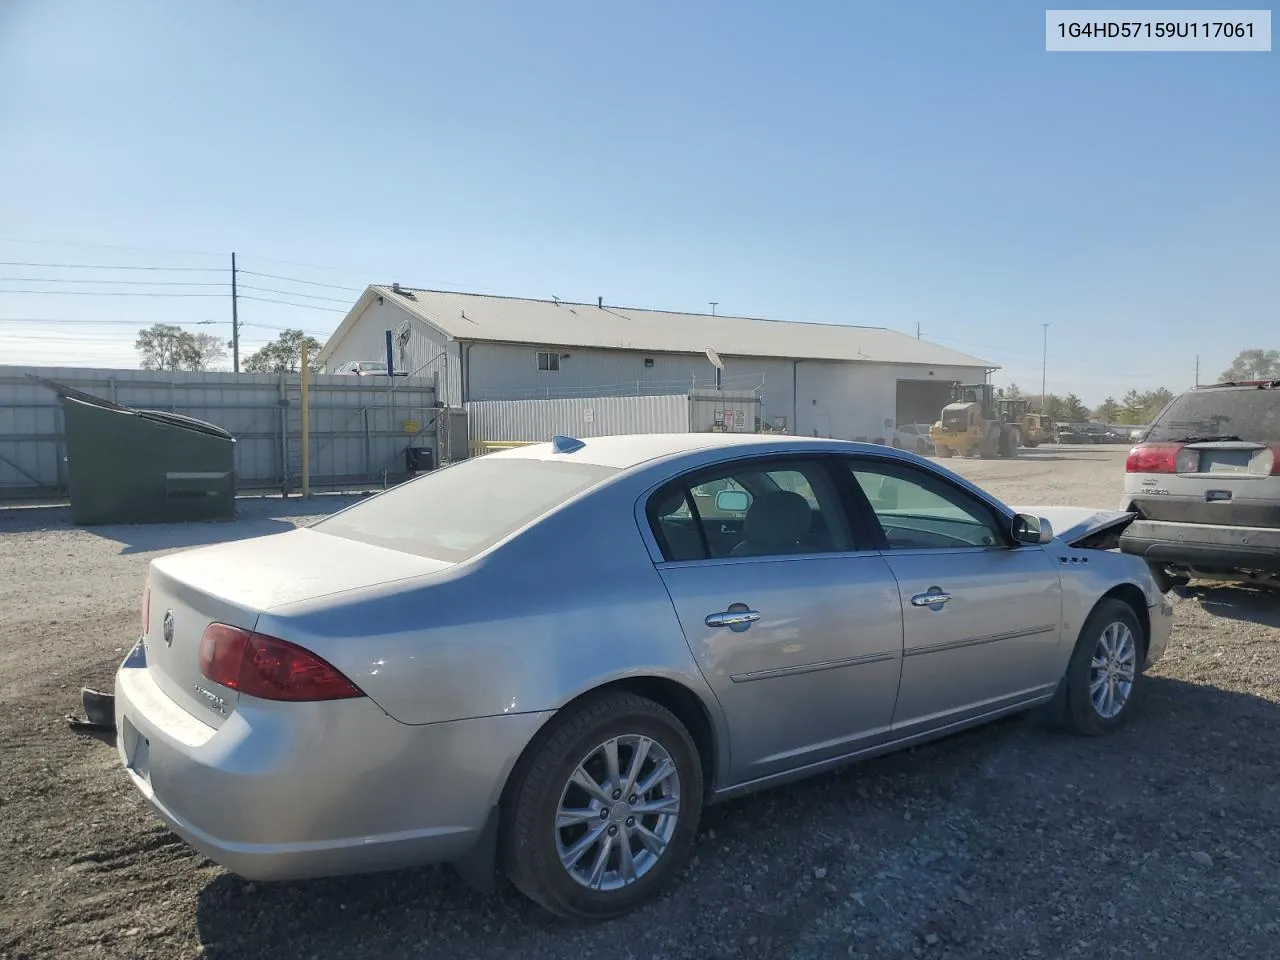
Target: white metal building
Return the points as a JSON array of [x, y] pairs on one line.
[[828, 380]]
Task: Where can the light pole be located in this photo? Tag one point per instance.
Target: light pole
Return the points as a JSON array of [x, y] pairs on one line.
[[1044, 367]]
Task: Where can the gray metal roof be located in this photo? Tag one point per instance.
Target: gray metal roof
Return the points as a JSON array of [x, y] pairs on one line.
[[470, 316]]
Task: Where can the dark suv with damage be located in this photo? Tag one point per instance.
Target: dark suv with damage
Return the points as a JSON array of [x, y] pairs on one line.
[[1204, 481]]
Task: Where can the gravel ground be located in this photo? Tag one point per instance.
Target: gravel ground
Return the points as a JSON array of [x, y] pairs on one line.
[[1011, 840]]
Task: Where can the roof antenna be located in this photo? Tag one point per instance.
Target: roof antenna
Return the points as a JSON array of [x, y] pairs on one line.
[[555, 300], [714, 304]]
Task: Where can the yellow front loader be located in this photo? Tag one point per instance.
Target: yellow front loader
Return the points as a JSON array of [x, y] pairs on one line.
[[970, 425]]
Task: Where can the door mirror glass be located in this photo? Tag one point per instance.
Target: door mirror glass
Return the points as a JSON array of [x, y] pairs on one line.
[[1029, 529], [732, 501]]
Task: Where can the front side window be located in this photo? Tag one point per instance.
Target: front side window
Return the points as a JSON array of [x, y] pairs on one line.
[[454, 513], [751, 509], [917, 511]]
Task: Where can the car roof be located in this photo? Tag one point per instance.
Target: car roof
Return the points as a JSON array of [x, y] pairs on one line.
[[632, 450]]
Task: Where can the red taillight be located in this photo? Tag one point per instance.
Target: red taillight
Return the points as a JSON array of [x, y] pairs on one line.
[[1275, 459], [1153, 458], [146, 610], [268, 668]]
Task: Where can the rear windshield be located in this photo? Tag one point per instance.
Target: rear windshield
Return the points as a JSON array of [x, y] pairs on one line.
[[1249, 413], [454, 513]]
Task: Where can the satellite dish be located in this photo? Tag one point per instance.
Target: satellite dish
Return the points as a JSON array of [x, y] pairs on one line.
[[715, 358]]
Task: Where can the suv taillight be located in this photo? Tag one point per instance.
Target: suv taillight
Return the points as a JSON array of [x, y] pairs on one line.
[[1162, 458], [1153, 458], [269, 668]]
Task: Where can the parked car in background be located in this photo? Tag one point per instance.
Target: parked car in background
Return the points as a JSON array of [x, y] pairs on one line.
[[914, 437], [1205, 484], [547, 660], [1069, 433], [363, 368]]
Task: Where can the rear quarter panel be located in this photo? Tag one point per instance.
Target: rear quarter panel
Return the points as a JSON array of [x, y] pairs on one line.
[[571, 603]]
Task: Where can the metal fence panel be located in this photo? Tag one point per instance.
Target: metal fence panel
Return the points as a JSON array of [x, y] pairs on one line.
[[725, 412], [360, 428], [533, 421]]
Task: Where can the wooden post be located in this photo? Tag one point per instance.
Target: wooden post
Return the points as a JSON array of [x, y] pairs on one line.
[[306, 422]]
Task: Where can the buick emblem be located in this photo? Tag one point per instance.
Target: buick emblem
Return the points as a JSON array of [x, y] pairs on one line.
[[168, 628]]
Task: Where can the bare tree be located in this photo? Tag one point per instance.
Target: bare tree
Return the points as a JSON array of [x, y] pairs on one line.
[[208, 350], [165, 347], [1254, 365]]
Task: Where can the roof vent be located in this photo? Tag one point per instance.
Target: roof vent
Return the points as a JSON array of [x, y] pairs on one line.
[[561, 444], [407, 294]]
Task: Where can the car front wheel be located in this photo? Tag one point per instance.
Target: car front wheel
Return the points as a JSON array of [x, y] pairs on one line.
[[1105, 670], [605, 812]]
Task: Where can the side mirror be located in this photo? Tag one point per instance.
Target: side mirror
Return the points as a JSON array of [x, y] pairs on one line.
[[732, 501], [1029, 529]]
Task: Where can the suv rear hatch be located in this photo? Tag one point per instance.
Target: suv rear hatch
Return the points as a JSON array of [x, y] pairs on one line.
[[1211, 457]]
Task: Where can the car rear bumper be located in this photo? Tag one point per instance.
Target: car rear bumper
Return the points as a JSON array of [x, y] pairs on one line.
[[1203, 546], [290, 791]]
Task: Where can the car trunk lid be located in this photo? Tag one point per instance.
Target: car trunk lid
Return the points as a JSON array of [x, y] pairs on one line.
[[234, 583]]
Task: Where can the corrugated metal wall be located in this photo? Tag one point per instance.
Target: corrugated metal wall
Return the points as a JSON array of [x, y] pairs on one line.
[[360, 427], [533, 421], [536, 420]]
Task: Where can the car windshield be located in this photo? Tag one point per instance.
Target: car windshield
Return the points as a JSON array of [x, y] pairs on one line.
[[454, 513], [1244, 413]]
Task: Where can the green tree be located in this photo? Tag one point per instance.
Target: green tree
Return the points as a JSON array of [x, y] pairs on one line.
[[1012, 392], [1254, 365], [1133, 408], [1074, 410], [1053, 407], [165, 347], [1141, 406], [1108, 411], [284, 354]]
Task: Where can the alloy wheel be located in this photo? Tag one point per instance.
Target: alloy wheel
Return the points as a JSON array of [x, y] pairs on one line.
[[618, 812], [1112, 670]]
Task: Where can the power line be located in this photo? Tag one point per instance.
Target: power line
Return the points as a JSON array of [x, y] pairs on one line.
[[106, 266], [111, 246], [132, 283], [293, 293], [314, 283], [309, 306], [109, 293]]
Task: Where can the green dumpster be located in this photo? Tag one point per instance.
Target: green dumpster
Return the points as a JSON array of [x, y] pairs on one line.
[[144, 466]]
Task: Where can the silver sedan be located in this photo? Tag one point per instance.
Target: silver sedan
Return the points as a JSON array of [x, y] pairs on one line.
[[544, 662]]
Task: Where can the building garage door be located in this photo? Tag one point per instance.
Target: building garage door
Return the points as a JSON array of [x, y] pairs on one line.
[[921, 401]]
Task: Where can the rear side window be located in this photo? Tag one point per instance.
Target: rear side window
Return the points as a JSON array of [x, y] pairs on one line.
[[454, 513], [1249, 413]]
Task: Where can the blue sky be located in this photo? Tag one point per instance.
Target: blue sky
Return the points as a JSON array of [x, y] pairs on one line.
[[881, 164]]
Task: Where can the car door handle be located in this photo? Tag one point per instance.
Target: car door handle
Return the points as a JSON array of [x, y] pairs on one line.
[[731, 618], [930, 598]]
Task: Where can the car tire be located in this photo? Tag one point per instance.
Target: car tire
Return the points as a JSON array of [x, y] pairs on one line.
[[546, 818], [1095, 699]]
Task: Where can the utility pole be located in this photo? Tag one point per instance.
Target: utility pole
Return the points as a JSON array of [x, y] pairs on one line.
[[235, 319], [1197, 369], [917, 331], [714, 304], [1044, 368]]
